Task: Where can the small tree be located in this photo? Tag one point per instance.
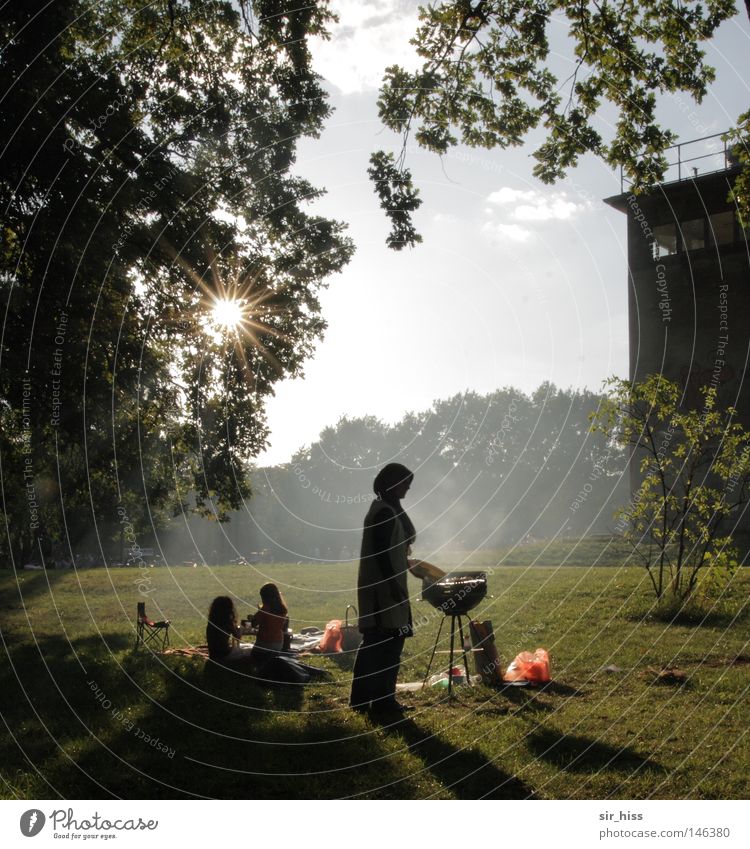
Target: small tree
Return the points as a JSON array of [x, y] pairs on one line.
[[694, 476]]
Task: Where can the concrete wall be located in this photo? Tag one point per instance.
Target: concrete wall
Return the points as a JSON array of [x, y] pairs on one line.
[[689, 313]]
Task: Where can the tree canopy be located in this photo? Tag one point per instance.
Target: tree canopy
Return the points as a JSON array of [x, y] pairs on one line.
[[489, 77], [146, 157]]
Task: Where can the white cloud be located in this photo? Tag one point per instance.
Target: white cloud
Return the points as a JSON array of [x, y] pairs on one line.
[[506, 206], [533, 205], [506, 231], [445, 218], [507, 195], [543, 210], [370, 35]]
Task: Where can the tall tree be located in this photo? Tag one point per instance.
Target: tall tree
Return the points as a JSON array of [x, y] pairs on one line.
[[159, 267], [487, 80]]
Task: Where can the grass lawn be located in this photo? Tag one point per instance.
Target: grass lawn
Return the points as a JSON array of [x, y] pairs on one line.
[[78, 702]]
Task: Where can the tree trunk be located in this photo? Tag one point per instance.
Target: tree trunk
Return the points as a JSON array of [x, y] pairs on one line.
[[24, 554]]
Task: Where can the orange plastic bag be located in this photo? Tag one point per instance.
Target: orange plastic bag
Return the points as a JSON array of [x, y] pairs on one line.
[[332, 639], [529, 667]]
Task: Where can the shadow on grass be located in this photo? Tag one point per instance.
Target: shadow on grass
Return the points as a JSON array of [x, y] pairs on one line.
[[28, 586], [244, 687], [465, 772], [48, 705], [502, 701], [574, 753], [140, 725], [523, 700], [237, 738], [692, 615], [343, 659], [557, 688], [113, 723]]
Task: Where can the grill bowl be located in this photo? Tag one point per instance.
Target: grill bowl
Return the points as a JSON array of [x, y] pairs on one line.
[[455, 594]]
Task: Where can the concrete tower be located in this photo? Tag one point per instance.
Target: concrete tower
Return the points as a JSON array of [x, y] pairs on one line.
[[689, 280], [689, 285]]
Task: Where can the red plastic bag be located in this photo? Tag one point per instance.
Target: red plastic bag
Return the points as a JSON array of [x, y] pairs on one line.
[[529, 667], [332, 639]]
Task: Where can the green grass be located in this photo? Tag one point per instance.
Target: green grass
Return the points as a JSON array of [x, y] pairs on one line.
[[593, 734], [600, 550]]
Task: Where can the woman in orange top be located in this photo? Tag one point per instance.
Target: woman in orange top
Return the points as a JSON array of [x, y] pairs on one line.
[[271, 620]]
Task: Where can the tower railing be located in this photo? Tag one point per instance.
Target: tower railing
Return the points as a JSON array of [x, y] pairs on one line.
[[681, 168]]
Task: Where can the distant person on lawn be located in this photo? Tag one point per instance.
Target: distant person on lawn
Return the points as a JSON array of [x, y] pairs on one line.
[[384, 609]]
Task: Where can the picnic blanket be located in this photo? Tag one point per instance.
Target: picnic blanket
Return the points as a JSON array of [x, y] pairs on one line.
[[301, 644], [188, 651], [307, 640]]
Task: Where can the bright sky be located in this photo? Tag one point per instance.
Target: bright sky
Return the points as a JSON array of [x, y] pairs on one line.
[[515, 282]]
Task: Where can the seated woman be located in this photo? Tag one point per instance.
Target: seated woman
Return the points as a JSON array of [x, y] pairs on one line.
[[222, 627], [271, 620], [262, 661]]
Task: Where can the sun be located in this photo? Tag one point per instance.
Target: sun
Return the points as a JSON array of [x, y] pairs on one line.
[[226, 313]]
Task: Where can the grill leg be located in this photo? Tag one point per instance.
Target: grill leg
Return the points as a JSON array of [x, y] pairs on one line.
[[434, 649], [450, 662], [463, 649]]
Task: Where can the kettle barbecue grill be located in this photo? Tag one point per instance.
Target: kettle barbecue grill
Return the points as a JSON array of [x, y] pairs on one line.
[[454, 595]]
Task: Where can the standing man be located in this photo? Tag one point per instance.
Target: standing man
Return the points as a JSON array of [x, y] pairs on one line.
[[383, 598]]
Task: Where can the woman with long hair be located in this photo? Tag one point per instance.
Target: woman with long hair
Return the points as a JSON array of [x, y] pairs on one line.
[[222, 629], [384, 609], [271, 620]]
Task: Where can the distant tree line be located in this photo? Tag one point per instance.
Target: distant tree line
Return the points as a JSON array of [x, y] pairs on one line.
[[489, 470]]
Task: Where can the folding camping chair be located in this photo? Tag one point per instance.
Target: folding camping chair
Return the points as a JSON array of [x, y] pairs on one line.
[[149, 632]]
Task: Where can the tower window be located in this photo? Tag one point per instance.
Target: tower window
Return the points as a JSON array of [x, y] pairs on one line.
[[693, 234], [721, 228], [665, 240]]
